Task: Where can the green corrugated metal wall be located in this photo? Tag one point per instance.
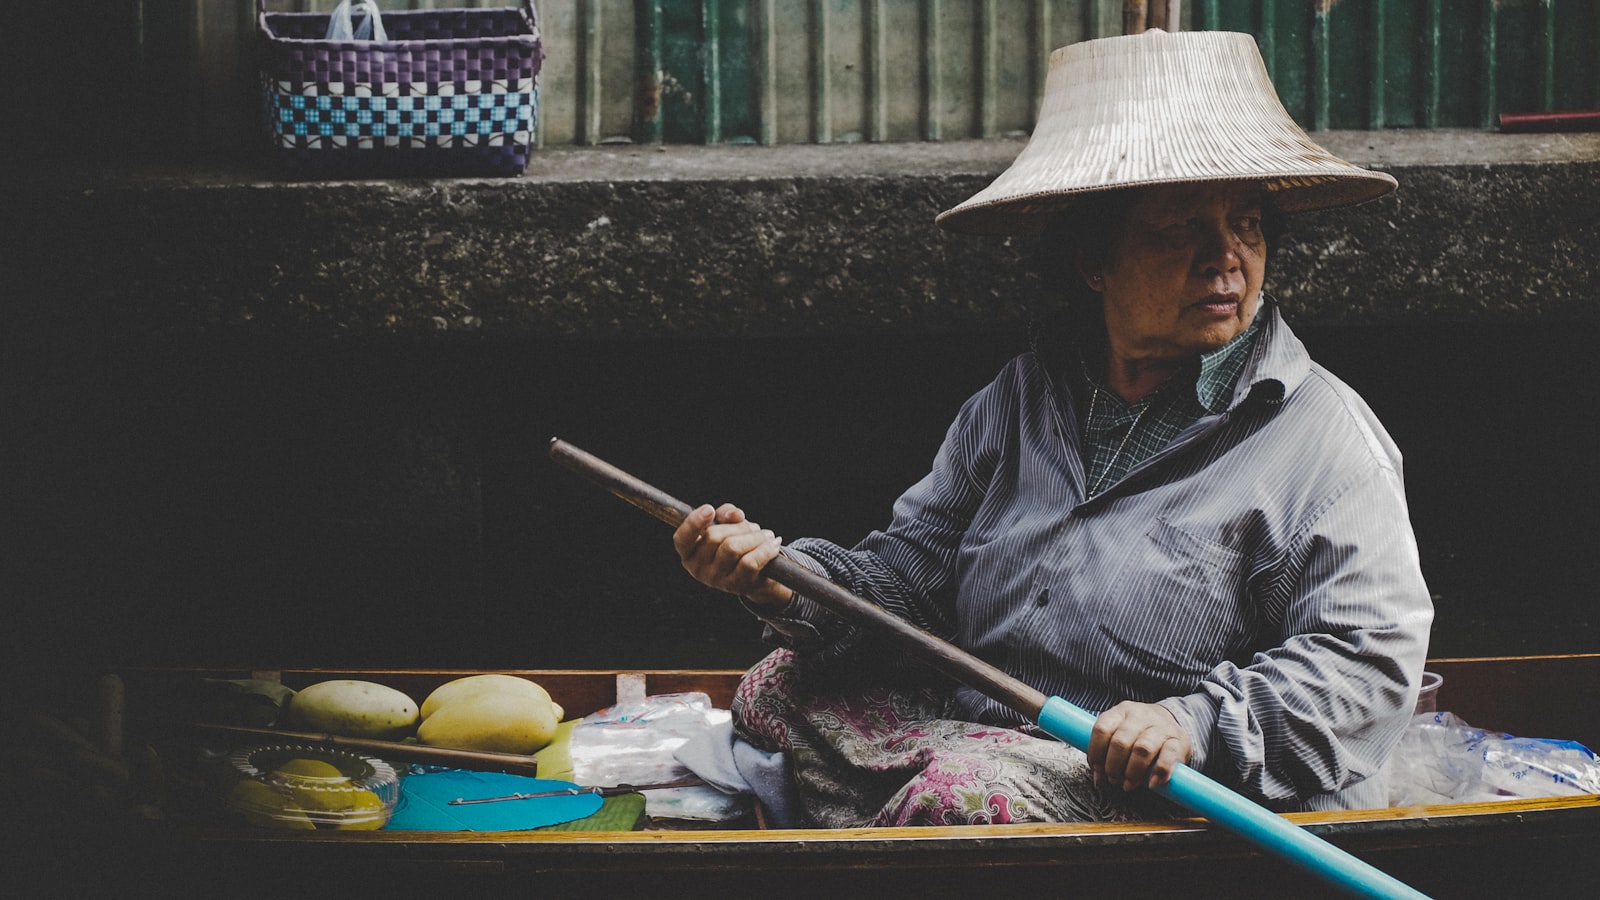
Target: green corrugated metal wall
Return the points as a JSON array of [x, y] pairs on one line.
[[796, 71], [1421, 63]]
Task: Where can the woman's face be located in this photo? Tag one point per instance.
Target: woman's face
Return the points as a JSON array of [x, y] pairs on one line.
[[1184, 275]]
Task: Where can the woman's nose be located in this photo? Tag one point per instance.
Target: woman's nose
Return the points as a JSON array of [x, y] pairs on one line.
[[1219, 249]]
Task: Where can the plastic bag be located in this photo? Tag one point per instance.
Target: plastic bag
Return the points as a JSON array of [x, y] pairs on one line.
[[342, 28], [634, 743], [1442, 759]]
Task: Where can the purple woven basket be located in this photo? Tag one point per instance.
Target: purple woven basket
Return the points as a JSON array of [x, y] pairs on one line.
[[452, 92]]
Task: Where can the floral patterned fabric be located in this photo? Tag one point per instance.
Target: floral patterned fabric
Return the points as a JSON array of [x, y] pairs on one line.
[[890, 755]]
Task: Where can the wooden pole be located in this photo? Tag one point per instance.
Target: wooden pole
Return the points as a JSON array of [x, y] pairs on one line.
[[1138, 15], [395, 751], [949, 659], [1135, 16]]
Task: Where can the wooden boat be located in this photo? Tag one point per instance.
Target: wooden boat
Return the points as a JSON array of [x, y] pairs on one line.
[[1458, 850]]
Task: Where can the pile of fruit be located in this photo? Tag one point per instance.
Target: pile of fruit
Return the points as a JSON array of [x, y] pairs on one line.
[[317, 789], [499, 713], [95, 751]]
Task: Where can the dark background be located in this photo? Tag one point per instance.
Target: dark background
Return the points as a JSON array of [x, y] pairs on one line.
[[228, 502]]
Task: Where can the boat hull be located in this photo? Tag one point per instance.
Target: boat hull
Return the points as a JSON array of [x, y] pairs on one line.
[[1528, 847]]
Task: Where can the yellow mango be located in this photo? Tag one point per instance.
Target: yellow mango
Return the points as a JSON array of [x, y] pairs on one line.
[[263, 805], [309, 768], [497, 721], [366, 813], [473, 685], [312, 792], [353, 708]]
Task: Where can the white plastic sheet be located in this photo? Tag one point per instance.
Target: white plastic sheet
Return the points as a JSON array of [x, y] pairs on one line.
[[635, 743], [1442, 759]]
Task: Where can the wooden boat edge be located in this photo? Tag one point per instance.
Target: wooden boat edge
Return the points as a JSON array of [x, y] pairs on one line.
[[1395, 822], [1390, 820], [1524, 846]]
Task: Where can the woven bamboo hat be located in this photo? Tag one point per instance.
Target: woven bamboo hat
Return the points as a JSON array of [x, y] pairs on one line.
[[1160, 108]]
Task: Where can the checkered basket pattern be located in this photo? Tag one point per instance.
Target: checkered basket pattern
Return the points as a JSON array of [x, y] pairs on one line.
[[452, 92]]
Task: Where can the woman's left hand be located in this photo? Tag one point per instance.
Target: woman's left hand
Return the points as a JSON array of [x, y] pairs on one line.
[[1135, 744]]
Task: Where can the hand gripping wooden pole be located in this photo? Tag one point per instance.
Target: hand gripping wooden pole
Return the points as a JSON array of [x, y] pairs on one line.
[[1056, 716]]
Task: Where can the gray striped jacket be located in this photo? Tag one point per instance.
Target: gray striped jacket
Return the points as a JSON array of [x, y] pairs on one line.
[[1258, 577]]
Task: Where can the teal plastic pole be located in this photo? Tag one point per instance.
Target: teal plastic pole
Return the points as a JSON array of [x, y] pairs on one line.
[[1251, 821]]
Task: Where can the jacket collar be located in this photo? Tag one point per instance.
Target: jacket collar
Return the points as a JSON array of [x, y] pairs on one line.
[[1279, 363]]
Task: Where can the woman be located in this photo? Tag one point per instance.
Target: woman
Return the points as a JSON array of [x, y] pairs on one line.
[[1165, 511]]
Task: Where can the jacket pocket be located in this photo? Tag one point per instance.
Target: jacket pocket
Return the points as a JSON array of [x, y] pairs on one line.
[[1179, 606]]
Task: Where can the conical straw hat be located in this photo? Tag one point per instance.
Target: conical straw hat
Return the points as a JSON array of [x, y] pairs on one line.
[[1159, 108]]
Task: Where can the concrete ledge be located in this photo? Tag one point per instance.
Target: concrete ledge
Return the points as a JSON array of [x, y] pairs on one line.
[[713, 242]]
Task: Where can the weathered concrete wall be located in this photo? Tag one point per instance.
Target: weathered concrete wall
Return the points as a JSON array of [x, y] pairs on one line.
[[256, 421], [747, 241]]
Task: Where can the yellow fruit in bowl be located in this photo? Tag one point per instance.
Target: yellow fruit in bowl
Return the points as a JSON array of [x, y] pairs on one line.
[[266, 806], [306, 787], [309, 768], [314, 785], [324, 794], [365, 813]]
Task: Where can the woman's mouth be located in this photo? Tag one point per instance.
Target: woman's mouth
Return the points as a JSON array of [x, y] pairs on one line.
[[1219, 304]]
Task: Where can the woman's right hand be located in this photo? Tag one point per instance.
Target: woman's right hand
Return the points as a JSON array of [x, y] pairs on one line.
[[723, 550]]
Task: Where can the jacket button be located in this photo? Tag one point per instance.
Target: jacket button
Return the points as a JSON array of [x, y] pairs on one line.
[[1044, 598]]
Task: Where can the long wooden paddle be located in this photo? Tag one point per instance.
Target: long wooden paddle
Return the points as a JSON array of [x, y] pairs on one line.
[[476, 760], [1056, 716]]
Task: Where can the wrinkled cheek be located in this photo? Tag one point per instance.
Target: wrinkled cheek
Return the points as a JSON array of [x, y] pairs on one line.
[[1255, 278], [1250, 307]]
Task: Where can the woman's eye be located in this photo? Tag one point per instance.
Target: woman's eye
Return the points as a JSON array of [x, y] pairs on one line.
[[1250, 224]]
